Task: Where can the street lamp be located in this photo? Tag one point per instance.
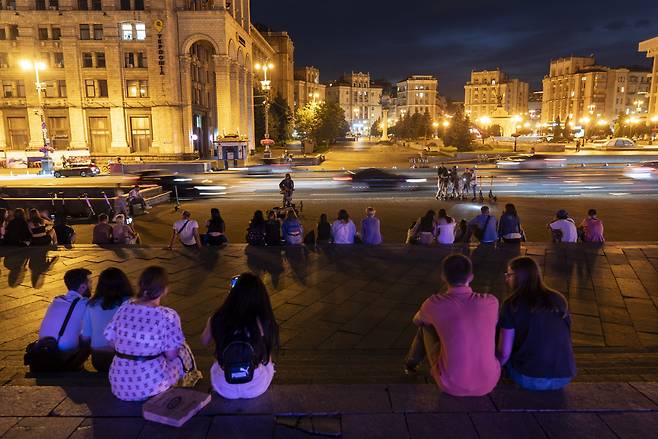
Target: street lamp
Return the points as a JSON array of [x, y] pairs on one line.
[[485, 121], [46, 161], [435, 125], [265, 86]]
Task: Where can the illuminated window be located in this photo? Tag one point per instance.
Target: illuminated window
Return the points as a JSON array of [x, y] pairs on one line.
[[137, 88]]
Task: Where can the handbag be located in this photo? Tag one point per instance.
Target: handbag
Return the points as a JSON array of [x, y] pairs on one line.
[[479, 232], [43, 355]]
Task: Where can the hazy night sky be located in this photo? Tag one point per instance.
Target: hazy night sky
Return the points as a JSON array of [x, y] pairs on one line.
[[449, 39]]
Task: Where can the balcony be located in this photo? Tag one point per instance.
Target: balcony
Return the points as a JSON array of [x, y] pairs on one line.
[[206, 5]]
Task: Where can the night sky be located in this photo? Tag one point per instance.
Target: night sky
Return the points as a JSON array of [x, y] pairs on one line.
[[392, 39]]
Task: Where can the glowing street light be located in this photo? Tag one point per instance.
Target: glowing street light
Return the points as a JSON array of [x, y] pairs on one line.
[[46, 161], [265, 85], [602, 122]]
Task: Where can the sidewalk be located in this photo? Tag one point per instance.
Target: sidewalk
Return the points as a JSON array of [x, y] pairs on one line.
[[345, 316]]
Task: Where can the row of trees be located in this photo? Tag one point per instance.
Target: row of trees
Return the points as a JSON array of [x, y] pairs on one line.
[[419, 126]]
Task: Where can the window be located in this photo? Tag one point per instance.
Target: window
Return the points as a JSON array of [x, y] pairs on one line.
[[137, 88], [99, 134], [133, 31], [7, 89], [13, 31], [98, 32], [87, 60], [139, 5], [61, 85], [100, 60], [96, 5], [56, 33], [135, 60], [20, 89], [84, 32], [82, 5], [59, 59], [125, 5], [40, 5], [3, 33], [90, 88], [18, 132], [43, 33], [140, 134], [102, 88], [58, 128], [4, 60]]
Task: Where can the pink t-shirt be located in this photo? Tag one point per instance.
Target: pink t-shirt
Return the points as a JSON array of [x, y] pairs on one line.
[[593, 230], [466, 324]]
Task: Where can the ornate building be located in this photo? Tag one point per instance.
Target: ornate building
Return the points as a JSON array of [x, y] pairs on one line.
[[417, 94], [490, 89], [163, 78], [308, 87], [359, 98]]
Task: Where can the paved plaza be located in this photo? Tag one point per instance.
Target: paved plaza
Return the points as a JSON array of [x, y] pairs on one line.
[[345, 316]]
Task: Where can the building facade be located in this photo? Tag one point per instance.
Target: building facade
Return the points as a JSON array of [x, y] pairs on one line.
[[417, 94], [143, 77], [359, 98], [308, 88], [576, 88], [651, 48], [490, 89], [283, 73]]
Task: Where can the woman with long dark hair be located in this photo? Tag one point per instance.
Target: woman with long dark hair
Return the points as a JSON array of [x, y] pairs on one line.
[[216, 228], [535, 330], [256, 229], [41, 233], [425, 229], [509, 226], [245, 333], [112, 290], [343, 230]]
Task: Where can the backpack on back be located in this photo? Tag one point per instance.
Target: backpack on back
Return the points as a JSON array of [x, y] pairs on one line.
[[294, 235], [238, 359]]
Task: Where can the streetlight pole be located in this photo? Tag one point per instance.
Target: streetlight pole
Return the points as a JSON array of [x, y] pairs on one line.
[[46, 161], [265, 85]]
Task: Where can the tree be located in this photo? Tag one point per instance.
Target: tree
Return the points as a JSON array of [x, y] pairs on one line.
[[279, 118], [458, 133], [375, 129], [323, 122]]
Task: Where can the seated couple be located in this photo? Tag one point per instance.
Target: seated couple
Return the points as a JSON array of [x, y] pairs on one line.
[[457, 332]]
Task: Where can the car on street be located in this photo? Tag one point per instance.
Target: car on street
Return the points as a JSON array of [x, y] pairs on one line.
[[642, 171], [89, 170], [619, 142], [531, 161], [187, 185], [378, 179]]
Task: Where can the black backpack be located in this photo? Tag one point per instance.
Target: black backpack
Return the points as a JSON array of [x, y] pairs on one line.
[[43, 355], [238, 359]]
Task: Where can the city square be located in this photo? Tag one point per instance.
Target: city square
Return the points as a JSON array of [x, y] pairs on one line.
[[277, 221]]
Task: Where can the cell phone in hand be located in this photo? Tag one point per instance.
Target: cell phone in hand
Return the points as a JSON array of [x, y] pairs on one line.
[[129, 220], [234, 281]]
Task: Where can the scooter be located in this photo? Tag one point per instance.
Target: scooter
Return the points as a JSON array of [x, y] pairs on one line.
[[492, 197], [108, 203], [90, 209]]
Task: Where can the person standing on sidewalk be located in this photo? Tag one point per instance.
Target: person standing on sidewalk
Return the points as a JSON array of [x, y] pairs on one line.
[[456, 333]]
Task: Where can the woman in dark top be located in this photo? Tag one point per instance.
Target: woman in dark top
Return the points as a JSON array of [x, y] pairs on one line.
[[246, 316], [215, 228], [324, 230], [256, 229], [65, 233], [40, 234], [272, 229], [17, 231], [509, 226], [535, 330], [425, 228]]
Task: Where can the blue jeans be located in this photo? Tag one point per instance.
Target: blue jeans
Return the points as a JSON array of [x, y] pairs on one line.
[[532, 383]]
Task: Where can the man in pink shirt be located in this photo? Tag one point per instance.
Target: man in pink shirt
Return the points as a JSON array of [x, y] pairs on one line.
[[456, 332]]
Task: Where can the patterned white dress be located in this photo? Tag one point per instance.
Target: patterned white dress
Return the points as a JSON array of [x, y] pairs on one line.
[[144, 331]]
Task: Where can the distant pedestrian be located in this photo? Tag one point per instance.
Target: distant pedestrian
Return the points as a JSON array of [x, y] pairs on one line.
[[456, 334], [102, 233], [563, 228], [343, 230], [256, 230], [484, 226], [535, 330], [592, 228], [293, 232], [65, 233], [215, 229], [324, 230], [509, 228], [186, 230], [445, 228], [272, 229], [371, 228]]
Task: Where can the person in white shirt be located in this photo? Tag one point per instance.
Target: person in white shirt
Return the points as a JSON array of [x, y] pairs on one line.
[[343, 229], [445, 228], [563, 228], [187, 231], [135, 197], [73, 349]]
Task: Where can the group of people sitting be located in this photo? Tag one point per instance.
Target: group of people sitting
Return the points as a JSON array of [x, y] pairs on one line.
[[140, 343], [508, 228], [34, 228]]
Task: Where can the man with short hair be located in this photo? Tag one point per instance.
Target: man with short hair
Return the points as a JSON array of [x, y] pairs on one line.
[[65, 233], [74, 352], [484, 226], [563, 228], [187, 231], [135, 197], [102, 233], [456, 333]]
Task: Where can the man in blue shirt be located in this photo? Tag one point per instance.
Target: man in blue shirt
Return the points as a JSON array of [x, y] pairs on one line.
[[484, 226]]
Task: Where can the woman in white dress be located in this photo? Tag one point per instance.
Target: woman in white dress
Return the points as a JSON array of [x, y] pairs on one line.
[[445, 228], [150, 351]]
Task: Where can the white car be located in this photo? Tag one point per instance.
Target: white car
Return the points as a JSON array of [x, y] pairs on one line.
[[642, 171], [619, 142]]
